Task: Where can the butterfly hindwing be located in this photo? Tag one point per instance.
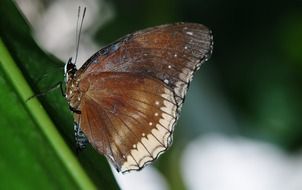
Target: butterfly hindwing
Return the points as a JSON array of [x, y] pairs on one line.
[[128, 117]]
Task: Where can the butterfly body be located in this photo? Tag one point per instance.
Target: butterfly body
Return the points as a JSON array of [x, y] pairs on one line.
[[127, 97]]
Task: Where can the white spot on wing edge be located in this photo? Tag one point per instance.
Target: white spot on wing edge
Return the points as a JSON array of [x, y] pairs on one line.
[[167, 121], [181, 88], [168, 95], [186, 74], [169, 108], [130, 164], [189, 33], [141, 154], [162, 133]]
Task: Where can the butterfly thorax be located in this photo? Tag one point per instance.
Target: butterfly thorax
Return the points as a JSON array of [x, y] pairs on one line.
[[73, 92]]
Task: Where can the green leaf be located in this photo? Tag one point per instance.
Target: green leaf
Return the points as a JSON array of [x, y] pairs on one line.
[[36, 139]]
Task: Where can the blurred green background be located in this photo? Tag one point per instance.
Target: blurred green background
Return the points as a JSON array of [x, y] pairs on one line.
[[251, 86]]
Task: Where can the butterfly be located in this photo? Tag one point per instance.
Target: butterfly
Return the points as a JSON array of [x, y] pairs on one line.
[[127, 97]]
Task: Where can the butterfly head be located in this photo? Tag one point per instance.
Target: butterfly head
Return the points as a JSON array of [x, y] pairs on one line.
[[69, 69]]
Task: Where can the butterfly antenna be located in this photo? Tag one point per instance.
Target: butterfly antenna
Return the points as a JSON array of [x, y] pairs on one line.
[[78, 31], [77, 27]]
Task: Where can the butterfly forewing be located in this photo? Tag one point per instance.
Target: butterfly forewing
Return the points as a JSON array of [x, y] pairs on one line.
[[170, 53], [130, 93]]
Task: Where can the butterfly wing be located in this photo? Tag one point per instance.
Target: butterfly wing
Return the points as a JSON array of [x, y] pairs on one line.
[[127, 117], [170, 53], [132, 91]]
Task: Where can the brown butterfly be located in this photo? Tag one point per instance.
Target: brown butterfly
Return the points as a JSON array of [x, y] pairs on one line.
[[127, 97]]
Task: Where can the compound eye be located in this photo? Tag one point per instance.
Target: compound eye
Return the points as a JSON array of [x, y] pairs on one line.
[[70, 66]]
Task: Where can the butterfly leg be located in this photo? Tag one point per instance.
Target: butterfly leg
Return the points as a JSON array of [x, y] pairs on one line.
[[74, 110], [80, 138]]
